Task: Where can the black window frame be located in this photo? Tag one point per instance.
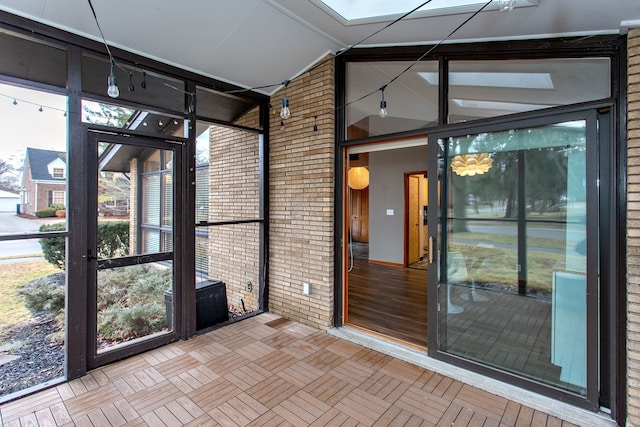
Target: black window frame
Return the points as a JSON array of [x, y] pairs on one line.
[[613, 248]]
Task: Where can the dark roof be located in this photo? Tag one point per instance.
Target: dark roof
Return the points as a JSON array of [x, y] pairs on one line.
[[38, 160]]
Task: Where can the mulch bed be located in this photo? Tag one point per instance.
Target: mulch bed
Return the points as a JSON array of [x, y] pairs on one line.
[[40, 358]]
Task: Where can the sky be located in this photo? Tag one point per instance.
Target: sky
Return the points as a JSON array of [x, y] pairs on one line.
[[23, 125]]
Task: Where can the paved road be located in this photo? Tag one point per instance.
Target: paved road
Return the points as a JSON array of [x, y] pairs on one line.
[[10, 223]]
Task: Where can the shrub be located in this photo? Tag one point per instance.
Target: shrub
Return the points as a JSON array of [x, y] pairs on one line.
[[45, 294], [113, 240], [57, 207], [131, 302], [53, 248], [46, 213]]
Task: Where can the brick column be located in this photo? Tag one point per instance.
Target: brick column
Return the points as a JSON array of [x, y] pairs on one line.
[[301, 186], [633, 229]]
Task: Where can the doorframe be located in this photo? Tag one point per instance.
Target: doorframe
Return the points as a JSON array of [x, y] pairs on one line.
[[609, 296], [177, 146], [407, 177]]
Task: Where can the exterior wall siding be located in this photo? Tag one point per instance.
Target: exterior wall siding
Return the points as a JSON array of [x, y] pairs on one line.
[[633, 229], [301, 200]]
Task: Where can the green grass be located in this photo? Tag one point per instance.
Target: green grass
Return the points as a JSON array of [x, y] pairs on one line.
[[498, 265], [505, 239], [13, 276]]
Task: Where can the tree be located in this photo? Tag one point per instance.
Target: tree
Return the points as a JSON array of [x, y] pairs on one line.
[[8, 177], [105, 114]]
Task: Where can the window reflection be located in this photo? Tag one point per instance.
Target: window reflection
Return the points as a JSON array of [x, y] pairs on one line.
[[515, 252]]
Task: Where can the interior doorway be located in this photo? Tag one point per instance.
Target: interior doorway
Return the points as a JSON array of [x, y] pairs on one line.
[[416, 230], [382, 295]]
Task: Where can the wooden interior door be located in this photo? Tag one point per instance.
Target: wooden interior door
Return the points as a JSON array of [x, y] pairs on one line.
[[360, 215]]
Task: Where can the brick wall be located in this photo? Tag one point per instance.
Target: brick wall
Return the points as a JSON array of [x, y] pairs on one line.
[[234, 195], [633, 228], [301, 205]]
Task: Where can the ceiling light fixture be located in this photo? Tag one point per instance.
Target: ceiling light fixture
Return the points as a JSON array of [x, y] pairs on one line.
[[358, 178], [383, 104], [471, 164], [112, 83], [285, 113]]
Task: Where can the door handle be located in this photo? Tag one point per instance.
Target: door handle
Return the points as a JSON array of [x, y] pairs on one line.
[[89, 256], [430, 250]]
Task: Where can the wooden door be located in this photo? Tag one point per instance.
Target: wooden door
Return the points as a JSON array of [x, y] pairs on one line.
[[413, 218], [360, 215]]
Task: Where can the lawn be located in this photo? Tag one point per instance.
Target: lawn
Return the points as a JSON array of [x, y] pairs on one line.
[[13, 276]]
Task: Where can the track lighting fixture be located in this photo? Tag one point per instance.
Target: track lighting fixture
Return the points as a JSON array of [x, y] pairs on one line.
[[131, 86], [383, 104], [15, 102], [40, 109], [285, 113], [112, 83]]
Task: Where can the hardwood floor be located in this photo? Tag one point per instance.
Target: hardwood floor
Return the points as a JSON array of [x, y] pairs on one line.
[[266, 371], [388, 300], [502, 330]]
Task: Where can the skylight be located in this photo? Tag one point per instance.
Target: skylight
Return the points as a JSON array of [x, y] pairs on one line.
[[502, 106], [494, 79], [366, 9]]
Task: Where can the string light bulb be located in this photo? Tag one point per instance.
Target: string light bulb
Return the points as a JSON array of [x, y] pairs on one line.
[[315, 123], [285, 113], [131, 86], [383, 104], [143, 84], [112, 84]]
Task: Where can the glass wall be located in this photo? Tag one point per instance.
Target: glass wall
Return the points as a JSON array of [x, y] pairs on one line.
[[515, 252], [228, 212], [480, 89], [33, 243], [411, 100]]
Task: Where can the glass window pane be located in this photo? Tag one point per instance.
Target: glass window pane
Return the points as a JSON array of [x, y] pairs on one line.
[[32, 323], [411, 100], [516, 252], [151, 200], [479, 89], [152, 163], [150, 241], [133, 303], [167, 199]]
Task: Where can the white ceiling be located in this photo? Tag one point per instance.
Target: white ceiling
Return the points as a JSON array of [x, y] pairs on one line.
[[254, 43]]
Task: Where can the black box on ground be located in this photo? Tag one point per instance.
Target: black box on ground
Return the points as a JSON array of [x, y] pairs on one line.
[[211, 304]]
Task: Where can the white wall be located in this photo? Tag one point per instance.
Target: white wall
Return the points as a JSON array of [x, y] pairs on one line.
[[386, 191]]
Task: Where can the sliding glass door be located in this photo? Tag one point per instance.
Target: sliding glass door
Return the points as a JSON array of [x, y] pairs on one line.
[[517, 259]]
